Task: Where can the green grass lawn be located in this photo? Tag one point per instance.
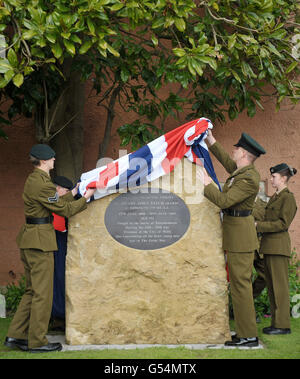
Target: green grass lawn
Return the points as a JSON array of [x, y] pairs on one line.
[[275, 347]]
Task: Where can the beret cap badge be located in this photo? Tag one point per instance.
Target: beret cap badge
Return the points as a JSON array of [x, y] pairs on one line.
[[283, 167]]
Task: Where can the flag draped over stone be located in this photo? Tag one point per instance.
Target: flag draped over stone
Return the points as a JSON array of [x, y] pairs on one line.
[[153, 160]]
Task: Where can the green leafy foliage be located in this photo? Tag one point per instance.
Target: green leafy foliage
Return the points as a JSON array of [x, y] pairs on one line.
[[294, 281], [262, 303], [14, 293], [224, 57]]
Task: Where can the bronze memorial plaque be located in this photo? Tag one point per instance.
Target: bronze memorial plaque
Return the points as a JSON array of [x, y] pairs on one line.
[[147, 221]]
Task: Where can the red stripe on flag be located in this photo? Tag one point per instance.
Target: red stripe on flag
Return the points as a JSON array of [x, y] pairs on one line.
[[177, 148], [200, 127]]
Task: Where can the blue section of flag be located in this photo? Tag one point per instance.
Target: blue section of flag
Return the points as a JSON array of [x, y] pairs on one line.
[[152, 161], [140, 165], [203, 154]]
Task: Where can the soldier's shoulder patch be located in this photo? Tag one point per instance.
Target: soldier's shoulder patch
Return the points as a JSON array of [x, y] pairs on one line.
[[53, 199]]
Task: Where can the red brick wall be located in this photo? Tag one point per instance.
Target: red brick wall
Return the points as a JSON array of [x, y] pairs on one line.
[[14, 168], [277, 132]]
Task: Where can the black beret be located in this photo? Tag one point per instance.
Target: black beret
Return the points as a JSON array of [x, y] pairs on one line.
[[42, 151], [63, 182], [282, 167], [249, 144]]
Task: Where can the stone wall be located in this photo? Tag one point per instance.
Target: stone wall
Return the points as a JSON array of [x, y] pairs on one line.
[[174, 295]]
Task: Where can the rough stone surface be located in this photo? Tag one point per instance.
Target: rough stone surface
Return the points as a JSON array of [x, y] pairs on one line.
[[174, 295]]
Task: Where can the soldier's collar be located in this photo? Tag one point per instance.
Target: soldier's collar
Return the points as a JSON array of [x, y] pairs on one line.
[[285, 189], [42, 172], [242, 169]]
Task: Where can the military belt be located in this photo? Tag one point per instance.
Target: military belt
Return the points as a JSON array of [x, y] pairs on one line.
[[237, 213], [39, 220]]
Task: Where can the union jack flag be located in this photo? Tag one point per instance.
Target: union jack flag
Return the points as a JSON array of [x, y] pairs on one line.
[[153, 160]]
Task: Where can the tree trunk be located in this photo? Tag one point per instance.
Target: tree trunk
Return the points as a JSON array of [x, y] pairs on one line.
[[67, 142], [109, 121]]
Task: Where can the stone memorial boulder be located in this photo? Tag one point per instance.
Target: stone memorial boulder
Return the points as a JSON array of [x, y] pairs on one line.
[[147, 267]]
